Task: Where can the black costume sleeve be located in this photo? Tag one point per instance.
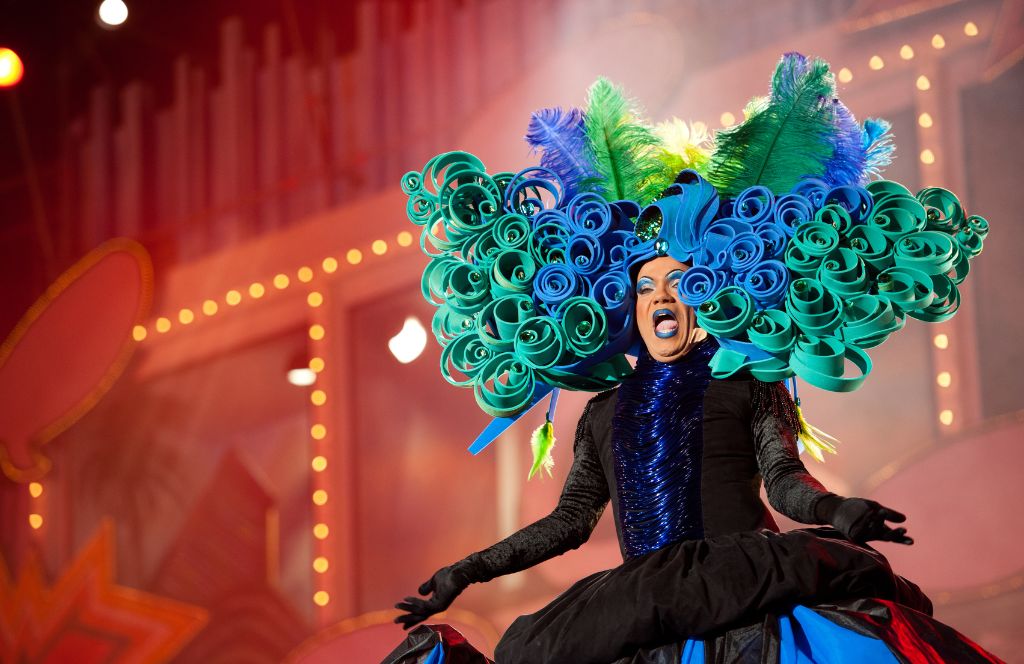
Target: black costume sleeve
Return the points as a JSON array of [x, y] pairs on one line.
[[583, 500], [791, 489]]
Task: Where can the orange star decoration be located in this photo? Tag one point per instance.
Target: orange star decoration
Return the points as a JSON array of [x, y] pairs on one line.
[[85, 618]]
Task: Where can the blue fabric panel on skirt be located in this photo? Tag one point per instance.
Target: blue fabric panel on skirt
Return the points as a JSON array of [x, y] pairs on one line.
[[436, 655], [808, 638]]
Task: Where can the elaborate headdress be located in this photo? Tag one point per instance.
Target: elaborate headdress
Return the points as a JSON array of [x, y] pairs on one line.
[[802, 257]]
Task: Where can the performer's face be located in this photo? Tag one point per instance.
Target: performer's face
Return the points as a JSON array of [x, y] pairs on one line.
[[667, 326]]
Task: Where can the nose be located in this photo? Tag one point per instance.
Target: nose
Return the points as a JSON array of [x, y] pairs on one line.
[[664, 294]]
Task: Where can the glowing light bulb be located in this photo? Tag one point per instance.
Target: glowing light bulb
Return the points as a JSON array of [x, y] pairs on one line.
[[320, 564], [727, 119], [302, 376], [209, 307], [11, 68], [971, 29], [319, 464], [938, 41], [321, 598], [946, 417], [876, 62], [925, 120], [923, 83], [330, 265], [906, 52], [941, 341], [281, 281], [305, 274], [320, 497], [845, 75], [185, 316], [321, 531], [233, 297], [927, 157], [404, 239], [316, 364], [139, 332], [35, 489], [163, 324], [112, 12], [318, 397], [36, 521], [379, 247], [318, 432], [316, 332], [256, 290], [944, 379], [314, 299], [354, 256], [409, 343]]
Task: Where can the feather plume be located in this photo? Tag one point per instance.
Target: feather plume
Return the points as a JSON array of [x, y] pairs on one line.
[[622, 150], [849, 156], [684, 146], [560, 137], [813, 439], [784, 138], [878, 146], [541, 443]]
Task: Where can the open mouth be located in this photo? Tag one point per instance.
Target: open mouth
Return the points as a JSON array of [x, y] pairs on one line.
[[665, 324]]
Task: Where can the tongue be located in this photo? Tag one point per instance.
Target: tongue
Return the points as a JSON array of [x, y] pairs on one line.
[[667, 325]]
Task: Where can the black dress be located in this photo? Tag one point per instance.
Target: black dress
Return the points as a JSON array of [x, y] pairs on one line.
[[726, 576]]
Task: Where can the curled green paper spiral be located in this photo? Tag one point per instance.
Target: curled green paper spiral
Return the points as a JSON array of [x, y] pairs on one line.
[[585, 325], [540, 342], [504, 385], [727, 314]]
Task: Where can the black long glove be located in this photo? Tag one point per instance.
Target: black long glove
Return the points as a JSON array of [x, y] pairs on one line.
[[443, 587], [862, 520]]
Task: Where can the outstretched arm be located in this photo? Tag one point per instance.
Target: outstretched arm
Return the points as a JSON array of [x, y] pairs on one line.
[[796, 493], [579, 508]]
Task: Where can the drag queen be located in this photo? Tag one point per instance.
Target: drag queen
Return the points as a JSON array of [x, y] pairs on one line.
[[769, 258]]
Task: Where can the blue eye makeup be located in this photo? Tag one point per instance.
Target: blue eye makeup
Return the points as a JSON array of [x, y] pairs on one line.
[[644, 283]]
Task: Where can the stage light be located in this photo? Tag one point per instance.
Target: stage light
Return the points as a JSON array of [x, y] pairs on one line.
[[316, 332], [319, 464], [938, 41], [209, 307], [971, 29], [321, 531], [318, 432], [320, 497], [354, 256], [302, 377], [256, 290], [408, 344], [404, 239], [925, 120], [185, 316], [845, 75], [233, 297], [163, 324], [330, 265], [946, 417], [314, 299], [944, 379], [941, 341], [321, 598], [11, 68], [36, 521], [927, 157], [727, 119], [305, 274], [320, 564], [281, 281], [35, 489], [112, 13], [318, 397], [876, 62], [379, 247], [923, 83], [139, 332], [906, 52], [316, 364]]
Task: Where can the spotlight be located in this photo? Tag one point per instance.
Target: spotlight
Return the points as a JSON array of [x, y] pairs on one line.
[[11, 68], [303, 377], [112, 13], [407, 345]]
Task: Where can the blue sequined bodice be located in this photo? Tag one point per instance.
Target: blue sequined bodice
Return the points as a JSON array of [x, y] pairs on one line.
[[657, 441]]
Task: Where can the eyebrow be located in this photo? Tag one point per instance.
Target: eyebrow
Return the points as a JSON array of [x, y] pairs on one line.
[[667, 274]]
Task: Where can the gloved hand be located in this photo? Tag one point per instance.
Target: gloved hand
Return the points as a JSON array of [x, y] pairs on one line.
[[862, 520], [443, 587]]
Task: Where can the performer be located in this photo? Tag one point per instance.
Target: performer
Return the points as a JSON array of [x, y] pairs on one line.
[[764, 260]]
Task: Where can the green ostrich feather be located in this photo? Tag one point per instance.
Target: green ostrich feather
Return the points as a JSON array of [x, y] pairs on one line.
[[541, 443], [785, 137], [623, 151]]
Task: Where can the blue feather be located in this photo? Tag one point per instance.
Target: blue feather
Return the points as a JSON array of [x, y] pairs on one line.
[[562, 140], [879, 149], [849, 157]]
